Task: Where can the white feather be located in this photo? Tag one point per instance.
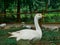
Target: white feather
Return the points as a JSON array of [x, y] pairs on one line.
[[3, 25], [29, 34], [25, 25]]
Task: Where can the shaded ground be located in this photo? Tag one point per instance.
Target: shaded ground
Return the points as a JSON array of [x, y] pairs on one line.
[[15, 25], [49, 37]]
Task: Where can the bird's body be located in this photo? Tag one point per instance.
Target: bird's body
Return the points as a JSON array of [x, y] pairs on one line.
[[2, 25], [51, 27], [29, 34], [25, 25]]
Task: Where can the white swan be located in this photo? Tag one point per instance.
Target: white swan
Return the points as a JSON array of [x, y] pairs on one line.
[[29, 34], [23, 24], [51, 27], [2, 25]]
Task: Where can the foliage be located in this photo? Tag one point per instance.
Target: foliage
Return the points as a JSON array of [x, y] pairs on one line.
[[52, 17], [47, 36], [31, 5], [28, 6]]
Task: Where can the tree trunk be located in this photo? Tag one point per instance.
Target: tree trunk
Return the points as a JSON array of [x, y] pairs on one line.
[[30, 10], [4, 12], [18, 11]]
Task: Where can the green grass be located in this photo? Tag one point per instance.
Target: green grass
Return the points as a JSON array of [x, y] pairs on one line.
[[47, 36]]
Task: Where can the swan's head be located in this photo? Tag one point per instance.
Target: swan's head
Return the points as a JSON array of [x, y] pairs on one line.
[[39, 15]]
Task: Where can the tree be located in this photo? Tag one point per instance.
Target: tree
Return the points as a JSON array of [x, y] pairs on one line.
[[6, 5], [18, 10]]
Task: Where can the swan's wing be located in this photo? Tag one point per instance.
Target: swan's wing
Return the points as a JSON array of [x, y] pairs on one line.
[[12, 34], [25, 34], [28, 34]]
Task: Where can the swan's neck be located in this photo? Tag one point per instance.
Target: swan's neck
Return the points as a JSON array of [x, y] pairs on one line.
[[38, 29]]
